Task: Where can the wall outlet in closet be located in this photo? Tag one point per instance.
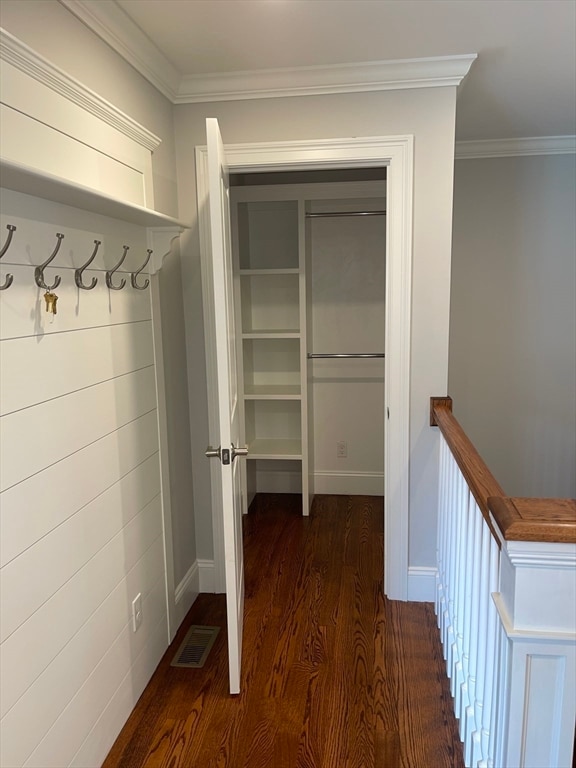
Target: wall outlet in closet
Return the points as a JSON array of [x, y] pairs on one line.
[[137, 612], [341, 449]]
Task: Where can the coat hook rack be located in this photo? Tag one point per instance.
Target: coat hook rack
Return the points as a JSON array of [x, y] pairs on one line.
[[39, 271], [134, 275], [9, 279], [78, 272], [110, 272]]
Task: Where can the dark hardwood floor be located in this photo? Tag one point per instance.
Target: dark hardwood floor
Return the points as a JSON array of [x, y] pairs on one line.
[[334, 675]]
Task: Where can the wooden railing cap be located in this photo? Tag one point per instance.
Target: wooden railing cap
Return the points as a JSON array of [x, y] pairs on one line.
[[551, 520]]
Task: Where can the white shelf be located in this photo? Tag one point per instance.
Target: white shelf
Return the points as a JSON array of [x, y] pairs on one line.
[[20, 178], [278, 272], [273, 392], [289, 333], [262, 448]]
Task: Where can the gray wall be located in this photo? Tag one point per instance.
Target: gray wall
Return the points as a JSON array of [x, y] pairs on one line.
[[428, 114], [513, 319]]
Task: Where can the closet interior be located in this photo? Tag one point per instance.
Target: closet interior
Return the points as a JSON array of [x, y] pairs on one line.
[[309, 262]]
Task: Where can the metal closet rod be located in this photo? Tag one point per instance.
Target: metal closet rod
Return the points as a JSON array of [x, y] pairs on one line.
[[344, 213], [311, 355]]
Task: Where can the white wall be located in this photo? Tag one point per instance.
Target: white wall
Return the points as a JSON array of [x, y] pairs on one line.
[[51, 30], [348, 276], [429, 115], [513, 319], [81, 524]]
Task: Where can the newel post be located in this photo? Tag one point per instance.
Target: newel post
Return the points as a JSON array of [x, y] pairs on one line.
[[536, 604]]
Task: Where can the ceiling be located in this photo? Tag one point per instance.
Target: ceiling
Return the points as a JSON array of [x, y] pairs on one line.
[[523, 83]]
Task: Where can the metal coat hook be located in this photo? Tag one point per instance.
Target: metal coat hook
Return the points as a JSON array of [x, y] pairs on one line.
[[134, 275], [39, 271], [11, 229], [78, 272], [111, 272]]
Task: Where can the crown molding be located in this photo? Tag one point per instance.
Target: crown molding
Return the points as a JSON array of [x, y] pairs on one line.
[[107, 20], [313, 81], [23, 58], [534, 145]]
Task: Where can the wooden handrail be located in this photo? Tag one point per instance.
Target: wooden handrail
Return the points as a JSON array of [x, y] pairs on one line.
[[480, 480], [552, 520], [517, 519]]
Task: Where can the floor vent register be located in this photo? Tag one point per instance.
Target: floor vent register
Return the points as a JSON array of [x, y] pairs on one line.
[[195, 647]]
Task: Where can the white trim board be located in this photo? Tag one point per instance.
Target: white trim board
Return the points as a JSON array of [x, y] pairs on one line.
[[534, 145], [14, 51], [422, 584], [117, 29], [184, 596], [397, 154]]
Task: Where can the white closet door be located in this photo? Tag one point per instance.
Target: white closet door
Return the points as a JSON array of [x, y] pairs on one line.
[[228, 405]]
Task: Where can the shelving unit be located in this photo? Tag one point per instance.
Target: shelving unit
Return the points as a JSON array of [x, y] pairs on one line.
[[292, 273], [270, 301]]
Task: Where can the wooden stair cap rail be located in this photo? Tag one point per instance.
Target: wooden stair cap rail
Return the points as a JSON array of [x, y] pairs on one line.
[[479, 478], [551, 520]]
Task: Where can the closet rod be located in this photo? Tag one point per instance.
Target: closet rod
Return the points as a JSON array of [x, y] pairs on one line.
[[344, 213], [311, 355]]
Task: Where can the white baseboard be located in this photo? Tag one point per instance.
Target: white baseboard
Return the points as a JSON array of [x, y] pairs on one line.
[[353, 483], [185, 593], [421, 584], [206, 575]]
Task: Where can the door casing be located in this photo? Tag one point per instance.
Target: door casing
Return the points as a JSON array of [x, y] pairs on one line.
[[396, 153]]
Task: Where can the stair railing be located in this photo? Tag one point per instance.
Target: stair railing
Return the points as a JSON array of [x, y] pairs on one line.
[[506, 608]]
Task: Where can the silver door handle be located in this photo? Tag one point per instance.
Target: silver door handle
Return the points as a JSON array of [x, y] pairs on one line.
[[239, 451], [213, 453]]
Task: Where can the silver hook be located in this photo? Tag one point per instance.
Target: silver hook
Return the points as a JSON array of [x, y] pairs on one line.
[[11, 229], [39, 271], [134, 275], [111, 272], [78, 272]]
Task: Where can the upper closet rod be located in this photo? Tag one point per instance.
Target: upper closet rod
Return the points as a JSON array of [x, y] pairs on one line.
[[311, 355], [344, 213]]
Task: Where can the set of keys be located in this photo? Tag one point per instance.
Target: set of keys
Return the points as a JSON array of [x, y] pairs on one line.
[[50, 299]]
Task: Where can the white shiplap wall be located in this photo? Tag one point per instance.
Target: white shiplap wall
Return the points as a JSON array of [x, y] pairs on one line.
[[81, 513]]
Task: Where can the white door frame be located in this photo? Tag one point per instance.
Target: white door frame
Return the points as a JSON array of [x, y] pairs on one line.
[[397, 154]]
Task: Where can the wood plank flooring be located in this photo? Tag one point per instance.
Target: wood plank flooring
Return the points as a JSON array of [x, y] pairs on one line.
[[334, 675]]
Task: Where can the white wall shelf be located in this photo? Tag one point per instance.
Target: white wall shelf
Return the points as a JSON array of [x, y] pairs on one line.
[[30, 181]]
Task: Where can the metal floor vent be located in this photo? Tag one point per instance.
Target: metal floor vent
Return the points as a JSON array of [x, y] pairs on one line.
[[195, 647]]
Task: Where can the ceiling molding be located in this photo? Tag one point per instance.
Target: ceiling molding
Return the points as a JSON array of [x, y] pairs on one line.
[[116, 28], [534, 145], [19, 55], [313, 81]]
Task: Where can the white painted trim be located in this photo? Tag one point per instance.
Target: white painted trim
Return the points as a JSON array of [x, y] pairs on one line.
[[397, 153], [116, 28], [534, 145], [188, 584], [162, 424], [539, 554], [422, 584], [184, 596], [161, 240], [206, 571], [359, 77], [21, 56]]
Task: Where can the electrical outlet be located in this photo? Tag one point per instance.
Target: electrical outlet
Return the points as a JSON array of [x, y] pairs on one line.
[[137, 612], [341, 449]]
